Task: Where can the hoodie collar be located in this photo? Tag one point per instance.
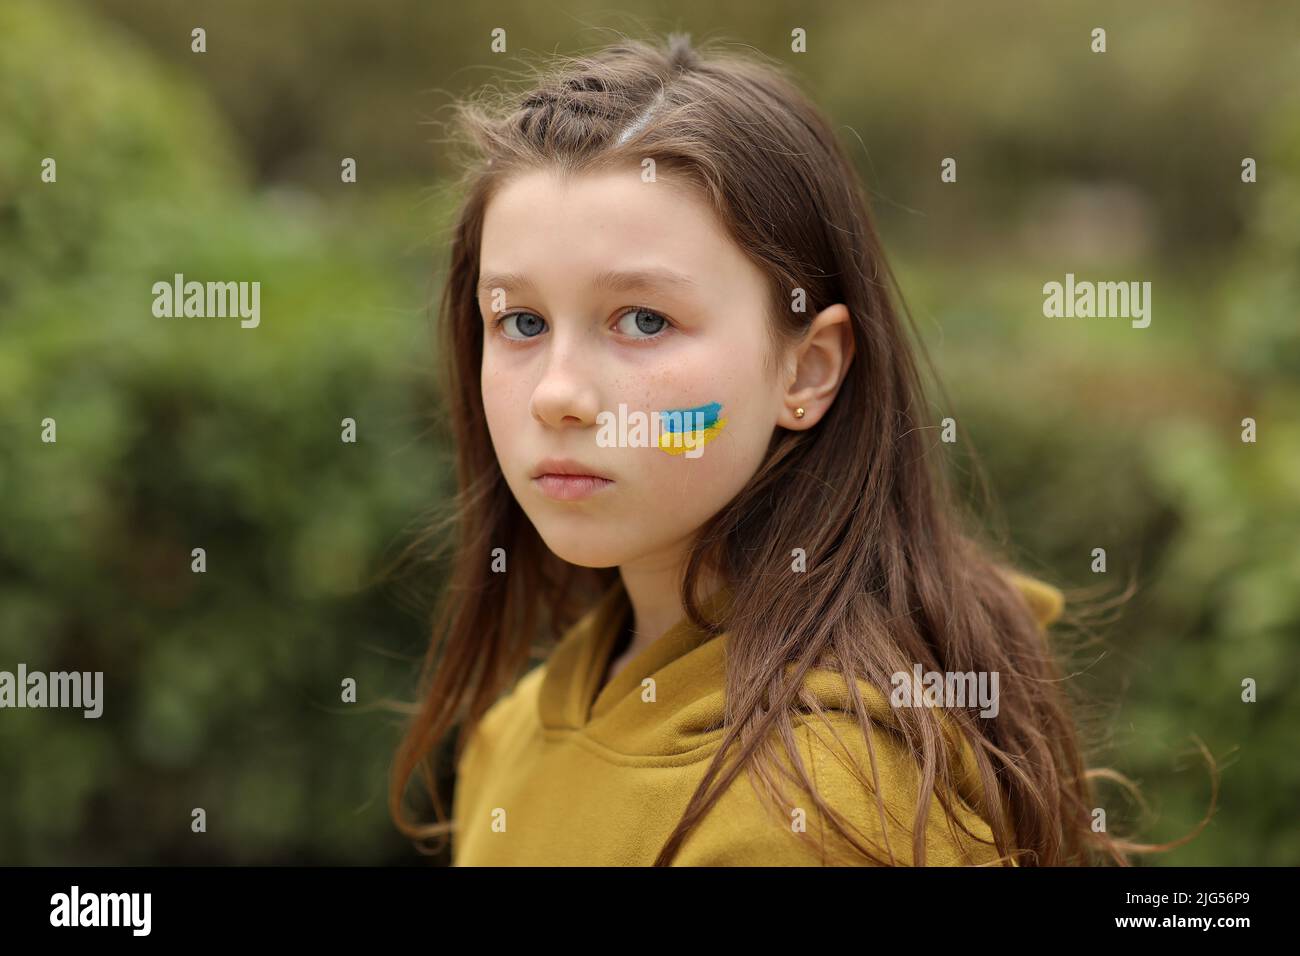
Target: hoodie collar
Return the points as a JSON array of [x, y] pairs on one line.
[[688, 665], [571, 697], [569, 685]]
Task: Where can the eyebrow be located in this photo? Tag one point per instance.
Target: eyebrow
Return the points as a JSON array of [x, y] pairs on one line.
[[611, 280]]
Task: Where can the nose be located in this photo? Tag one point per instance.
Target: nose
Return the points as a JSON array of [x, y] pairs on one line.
[[565, 395]]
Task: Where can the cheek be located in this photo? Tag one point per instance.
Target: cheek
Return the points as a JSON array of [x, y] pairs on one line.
[[671, 495], [733, 406], [502, 398]]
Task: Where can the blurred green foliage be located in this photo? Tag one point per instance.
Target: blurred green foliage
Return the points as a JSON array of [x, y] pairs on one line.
[[223, 688]]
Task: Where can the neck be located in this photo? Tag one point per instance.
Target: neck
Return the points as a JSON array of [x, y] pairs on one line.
[[653, 588]]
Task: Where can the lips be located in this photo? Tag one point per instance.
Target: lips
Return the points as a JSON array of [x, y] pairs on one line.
[[571, 487], [567, 467], [564, 479]]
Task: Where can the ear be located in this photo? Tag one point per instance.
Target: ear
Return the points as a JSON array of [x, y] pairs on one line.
[[816, 367]]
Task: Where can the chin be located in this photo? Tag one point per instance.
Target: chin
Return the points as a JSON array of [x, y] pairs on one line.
[[585, 549], [583, 553]]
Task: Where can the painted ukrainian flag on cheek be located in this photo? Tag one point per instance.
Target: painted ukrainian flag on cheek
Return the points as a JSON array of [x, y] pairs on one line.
[[698, 426]]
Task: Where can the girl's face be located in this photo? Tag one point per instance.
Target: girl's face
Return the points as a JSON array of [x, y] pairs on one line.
[[605, 292]]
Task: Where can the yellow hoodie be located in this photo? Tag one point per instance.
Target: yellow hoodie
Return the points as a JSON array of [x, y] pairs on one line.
[[563, 773]]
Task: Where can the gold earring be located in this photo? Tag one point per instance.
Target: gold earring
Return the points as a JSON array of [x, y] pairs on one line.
[[798, 412]]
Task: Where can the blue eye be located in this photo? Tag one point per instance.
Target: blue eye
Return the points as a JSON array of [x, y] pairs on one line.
[[649, 322], [536, 324]]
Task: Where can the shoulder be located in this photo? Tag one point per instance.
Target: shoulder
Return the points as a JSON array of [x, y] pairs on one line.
[[1046, 601], [745, 829], [513, 713], [509, 726]]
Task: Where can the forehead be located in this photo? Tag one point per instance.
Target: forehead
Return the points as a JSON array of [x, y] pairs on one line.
[[539, 225]]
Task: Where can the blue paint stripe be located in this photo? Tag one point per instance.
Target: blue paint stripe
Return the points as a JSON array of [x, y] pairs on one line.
[[690, 419]]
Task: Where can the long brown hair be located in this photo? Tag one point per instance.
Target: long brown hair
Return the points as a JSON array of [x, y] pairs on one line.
[[896, 573]]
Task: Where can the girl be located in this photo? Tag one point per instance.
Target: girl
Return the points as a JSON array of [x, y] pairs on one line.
[[692, 443]]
